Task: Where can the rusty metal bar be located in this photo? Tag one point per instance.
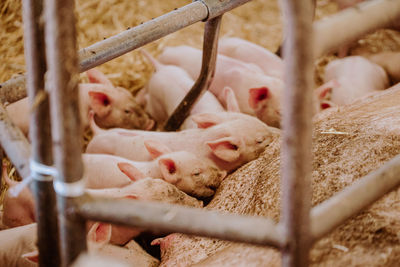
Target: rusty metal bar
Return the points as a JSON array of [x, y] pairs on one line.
[[174, 218], [297, 130], [65, 123], [334, 211], [133, 38], [357, 21], [210, 46], [43, 192]]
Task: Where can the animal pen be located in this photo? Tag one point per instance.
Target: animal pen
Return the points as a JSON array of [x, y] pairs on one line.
[[299, 226]]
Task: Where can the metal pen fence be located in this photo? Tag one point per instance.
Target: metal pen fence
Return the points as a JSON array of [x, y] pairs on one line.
[[300, 224]]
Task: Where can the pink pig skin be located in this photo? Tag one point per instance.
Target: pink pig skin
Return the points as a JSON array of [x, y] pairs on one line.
[[22, 243], [248, 52], [168, 86], [17, 210], [185, 170], [147, 189], [98, 239], [189, 59], [229, 144], [113, 106], [355, 77], [14, 243], [240, 77]]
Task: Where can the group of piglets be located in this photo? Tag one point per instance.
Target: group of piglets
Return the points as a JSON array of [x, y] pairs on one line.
[[183, 167], [229, 126]]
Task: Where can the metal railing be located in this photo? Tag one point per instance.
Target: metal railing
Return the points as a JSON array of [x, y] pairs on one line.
[[74, 207]]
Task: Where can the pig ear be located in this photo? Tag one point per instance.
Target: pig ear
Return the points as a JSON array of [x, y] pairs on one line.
[[156, 148], [325, 90], [230, 100], [96, 76], [227, 148], [257, 95], [100, 233], [31, 256], [131, 171], [206, 120], [168, 170], [100, 103]]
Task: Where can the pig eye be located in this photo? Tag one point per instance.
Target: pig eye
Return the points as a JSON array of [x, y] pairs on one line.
[[127, 111], [259, 139], [196, 172]]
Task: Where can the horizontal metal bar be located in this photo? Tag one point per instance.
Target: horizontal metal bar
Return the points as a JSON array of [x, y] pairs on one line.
[[14, 143], [173, 218], [334, 211], [352, 23], [140, 35]]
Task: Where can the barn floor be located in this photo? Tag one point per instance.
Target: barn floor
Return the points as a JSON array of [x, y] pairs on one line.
[[257, 21]]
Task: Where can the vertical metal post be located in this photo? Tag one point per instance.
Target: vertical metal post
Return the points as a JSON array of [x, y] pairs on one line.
[[67, 134], [296, 145], [210, 46], [45, 209]]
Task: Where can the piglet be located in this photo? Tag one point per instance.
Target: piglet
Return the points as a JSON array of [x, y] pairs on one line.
[[17, 210], [168, 86], [98, 239], [350, 78], [113, 106], [228, 144], [190, 58], [257, 94], [249, 52], [15, 242], [194, 176], [147, 189]]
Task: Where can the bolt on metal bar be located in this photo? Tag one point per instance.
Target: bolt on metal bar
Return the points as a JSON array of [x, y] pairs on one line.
[[357, 21], [297, 129], [210, 47], [133, 38], [65, 122], [169, 218], [43, 192], [332, 212]]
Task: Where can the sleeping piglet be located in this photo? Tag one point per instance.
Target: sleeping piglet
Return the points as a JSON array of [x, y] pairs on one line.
[[147, 189], [113, 106], [257, 94], [168, 86], [229, 144], [249, 52], [350, 78]]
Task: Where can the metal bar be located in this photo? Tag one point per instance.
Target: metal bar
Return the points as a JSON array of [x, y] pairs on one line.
[[65, 122], [210, 46], [357, 21], [43, 192], [334, 211], [297, 130], [174, 218], [14, 143]]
